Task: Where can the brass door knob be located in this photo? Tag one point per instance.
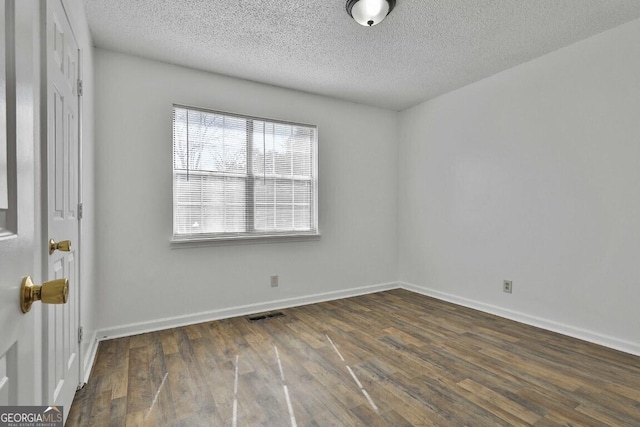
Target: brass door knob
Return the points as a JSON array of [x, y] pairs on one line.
[[52, 292], [64, 246]]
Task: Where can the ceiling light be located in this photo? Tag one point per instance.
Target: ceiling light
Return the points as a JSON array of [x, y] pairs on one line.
[[369, 12]]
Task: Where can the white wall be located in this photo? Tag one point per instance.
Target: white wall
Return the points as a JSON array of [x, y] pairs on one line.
[[88, 306], [532, 175], [143, 279]]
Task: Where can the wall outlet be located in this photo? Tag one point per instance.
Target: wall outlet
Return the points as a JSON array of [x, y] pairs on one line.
[[274, 281], [507, 286]]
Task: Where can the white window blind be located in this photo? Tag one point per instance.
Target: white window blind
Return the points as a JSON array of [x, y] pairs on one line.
[[238, 176]]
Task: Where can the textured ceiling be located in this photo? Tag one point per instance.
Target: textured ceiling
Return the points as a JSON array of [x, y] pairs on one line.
[[423, 49]]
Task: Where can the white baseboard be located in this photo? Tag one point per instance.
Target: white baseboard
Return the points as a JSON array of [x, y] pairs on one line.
[[90, 357], [243, 310], [207, 316], [583, 334]]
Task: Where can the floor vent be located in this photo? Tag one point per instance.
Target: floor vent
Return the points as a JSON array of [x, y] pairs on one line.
[[259, 317]]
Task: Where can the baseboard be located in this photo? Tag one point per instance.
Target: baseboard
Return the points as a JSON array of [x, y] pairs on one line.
[[243, 310], [582, 334], [90, 358]]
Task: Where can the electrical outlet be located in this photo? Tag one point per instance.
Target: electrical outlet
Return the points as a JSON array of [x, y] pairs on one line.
[[507, 286], [274, 281]]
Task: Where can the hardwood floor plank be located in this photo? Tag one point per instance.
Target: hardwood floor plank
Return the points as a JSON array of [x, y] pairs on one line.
[[392, 395], [119, 373], [142, 340], [118, 413], [554, 376], [560, 408], [80, 410], [184, 392], [546, 422], [204, 399], [139, 395], [605, 416], [608, 407], [501, 401], [162, 403], [140, 419], [101, 412], [169, 344], [625, 391]]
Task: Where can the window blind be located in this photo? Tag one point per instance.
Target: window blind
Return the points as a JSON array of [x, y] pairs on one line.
[[240, 176]]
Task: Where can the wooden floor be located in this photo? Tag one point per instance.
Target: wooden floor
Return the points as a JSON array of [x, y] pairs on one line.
[[393, 358]]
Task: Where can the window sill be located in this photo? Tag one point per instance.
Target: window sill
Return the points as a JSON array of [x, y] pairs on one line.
[[196, 242]]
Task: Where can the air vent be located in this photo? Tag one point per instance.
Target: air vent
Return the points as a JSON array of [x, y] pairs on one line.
[[259, 317]]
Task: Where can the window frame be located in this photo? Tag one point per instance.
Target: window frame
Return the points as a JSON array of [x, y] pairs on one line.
[[206, 239]]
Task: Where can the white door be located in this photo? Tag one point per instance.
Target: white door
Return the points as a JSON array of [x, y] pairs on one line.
[[18, 340], [61, 348]]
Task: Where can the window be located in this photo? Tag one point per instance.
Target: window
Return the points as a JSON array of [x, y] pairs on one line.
[[242, 177]]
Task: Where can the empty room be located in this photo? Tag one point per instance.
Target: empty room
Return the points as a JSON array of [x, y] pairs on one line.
[[320, 213]]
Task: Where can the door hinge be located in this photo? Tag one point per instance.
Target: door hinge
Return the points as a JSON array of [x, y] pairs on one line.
[[79, 87], [79, 334], [80, 211]]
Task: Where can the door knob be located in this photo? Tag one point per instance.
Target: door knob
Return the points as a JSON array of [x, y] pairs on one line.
[[52, 292], [64, 246]]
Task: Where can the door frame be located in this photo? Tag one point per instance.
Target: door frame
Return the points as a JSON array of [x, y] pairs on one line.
[[79, 245], [81, 355]]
